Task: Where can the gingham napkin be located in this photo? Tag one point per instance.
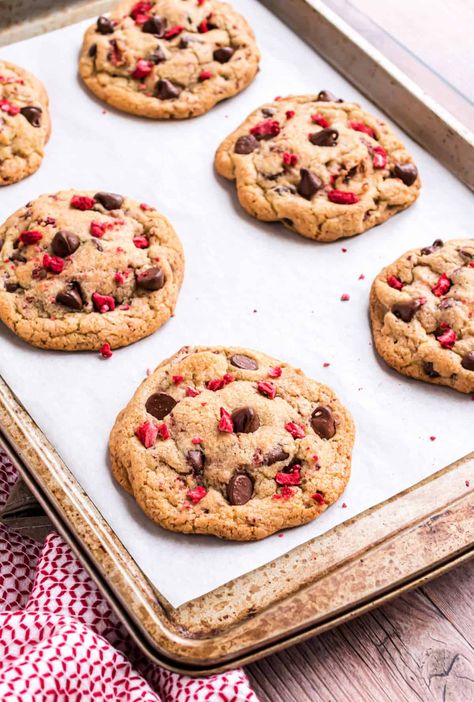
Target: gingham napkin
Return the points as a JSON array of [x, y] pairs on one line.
[[60, 641]]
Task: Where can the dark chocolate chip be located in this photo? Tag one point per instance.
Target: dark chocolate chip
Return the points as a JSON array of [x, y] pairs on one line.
[[160, 404], [65, 243], [70, 297], [92, 51], [323, 423], [284, 189], [18, 257], [98, 245], [39, 273], [111, 201], [406, 310], [245, 420], [327, 96], [196, 460], [468, 361], [407, 172], [268, 112], [11, 287], [33, 115], [326, 137], [276, 454], [309, 184], [239, 489], [224, 54], [105, 26], [245, 144], [427, 250], [166, 90], [468, 255], [245, 362], [428, 368], [151, 279], [158, 55], [154, 25]]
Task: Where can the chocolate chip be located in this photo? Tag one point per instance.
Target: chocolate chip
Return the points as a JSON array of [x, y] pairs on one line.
[[284, 189], [151, 279], [98, 245], [326, 137], [11, 287], [224, 54], [154, 25], [18, 257], [407, 172], [245, 420], [327, 96], [111, 201], [245, 144], [309, 184], [70, 297], [468, 361], [239, 489], [429, 369], [276, 454], [406, 310], [160, 404], [166, 90], [33, 115], [323, 423], [289, 222], [245, 362], [427, 250], [196, 460], [105, 26], [268, 112], [92, 51], [158, 55], [64, 243]]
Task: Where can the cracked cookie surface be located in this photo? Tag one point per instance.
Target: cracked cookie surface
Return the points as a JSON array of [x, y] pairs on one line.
[[169, 58], [25, 124], [422, 312], [82, 269], [323, 167], [232, 442]]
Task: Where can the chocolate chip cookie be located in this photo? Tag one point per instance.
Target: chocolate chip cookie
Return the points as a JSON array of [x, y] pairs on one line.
[[25, 125], [232, 442], [323, 167], [422, 310], [169, 58], [82, 269]]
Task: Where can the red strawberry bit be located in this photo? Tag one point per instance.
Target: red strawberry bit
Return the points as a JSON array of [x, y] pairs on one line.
[[142, 69], [140, 9], [7, 81], [141, 242], [394, 282], [326, 365], [163, 431], [379, 157], [467, 483], [343, 505], [82, 202], [275, 372], [119, 278], [471, 265], [293, 478], [205, 75], [317, 497], [289, 114], [447, 339], [98, 229], [30, 237], [226, 424], [319, 119], [442, 286], [53, 263], [196, 440], [106, 351], [361, 277], [266, 388], [146, 208], [200, 2], [49, 220], [296, 430], [103, 303], [173, 31], [285, 493], [177, 379], [147, 433], [345, 297], [266, 130], [332, 179], [6, 106], [203, 26], [315, 458], [196, 494], [344, 250], [218, 383], [290, 159], [361, 127], [191, 392], [341, 197], [432, 438]]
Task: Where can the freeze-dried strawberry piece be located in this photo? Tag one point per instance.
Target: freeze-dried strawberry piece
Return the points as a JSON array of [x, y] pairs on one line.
[[225, 423], [289, 114], [142, 69], [191, 392], [319, 119], [218, 383], [290, 159], [98, 229], [106, 351], [442, 286], [173, 31], [146, 208], [177, 379], [296, 430], [163, 431], [53, 263], [292, 478], [196, 494], [119, 278], [139, 10], [447, 338], [379, 157], [30, 237], [203, 26], [345, 297], [285, 493], [361, 127], [6, 106], [141, 242], [147, 433], [82, 202], [275, 372], [103, 303], [394, 282], [205, 75], [266, 130], [319, 498], [341, 197], [266, 388], [196, 440]]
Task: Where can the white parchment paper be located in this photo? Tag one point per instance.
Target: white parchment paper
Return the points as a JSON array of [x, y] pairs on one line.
[[247, 284]]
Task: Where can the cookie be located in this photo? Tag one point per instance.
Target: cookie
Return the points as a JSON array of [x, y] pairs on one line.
[[25, 125], [169, 58], [82, 269], [422, 309], [323, 167], [232, 442]]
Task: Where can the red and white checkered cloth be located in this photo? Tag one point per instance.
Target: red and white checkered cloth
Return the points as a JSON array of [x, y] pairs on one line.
[[61, 642]]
